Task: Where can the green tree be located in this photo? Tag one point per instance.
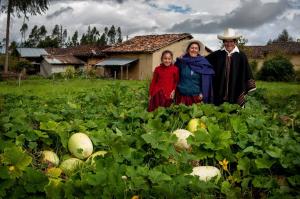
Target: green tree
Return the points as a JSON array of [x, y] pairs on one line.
[[284, 36], [112, 35], [56, 31], [23, 31], [91, 36], [74, 40], [278, 68], [49, 42], [33, 37], [32, 7], [42, 32], [102, 40], [119, 35]]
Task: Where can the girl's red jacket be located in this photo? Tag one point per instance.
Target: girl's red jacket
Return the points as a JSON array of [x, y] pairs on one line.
[[165, 78]]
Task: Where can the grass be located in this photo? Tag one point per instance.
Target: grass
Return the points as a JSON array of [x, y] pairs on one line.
[[49, 88], [54, 88]]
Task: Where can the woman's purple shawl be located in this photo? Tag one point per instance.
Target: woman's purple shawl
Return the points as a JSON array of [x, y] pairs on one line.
[[201, 66]]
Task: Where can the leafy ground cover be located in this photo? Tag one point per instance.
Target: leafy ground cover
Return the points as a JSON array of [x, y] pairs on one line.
[[256, 148]]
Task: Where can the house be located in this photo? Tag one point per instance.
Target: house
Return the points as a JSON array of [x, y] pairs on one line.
[[34, 56], [262, 53], [138, 57], [89, 53], [58, 63]]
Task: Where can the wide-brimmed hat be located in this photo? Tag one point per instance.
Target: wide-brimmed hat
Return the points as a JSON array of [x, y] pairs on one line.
[[188, 42], [229, 33]]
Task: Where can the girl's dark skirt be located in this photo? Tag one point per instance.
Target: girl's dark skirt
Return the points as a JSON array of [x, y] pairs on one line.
[[159, 100], [187, 100]]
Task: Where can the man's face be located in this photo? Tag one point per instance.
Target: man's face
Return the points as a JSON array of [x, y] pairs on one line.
[[229, 44]]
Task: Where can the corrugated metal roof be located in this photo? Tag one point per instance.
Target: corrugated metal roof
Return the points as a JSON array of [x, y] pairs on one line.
[[32, 52], [63, 59], [115, 62]]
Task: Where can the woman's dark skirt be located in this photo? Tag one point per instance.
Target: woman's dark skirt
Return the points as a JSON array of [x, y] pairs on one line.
[[159, 100], [187, 100]]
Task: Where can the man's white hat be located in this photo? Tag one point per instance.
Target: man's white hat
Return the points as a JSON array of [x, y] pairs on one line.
[[229, 33]]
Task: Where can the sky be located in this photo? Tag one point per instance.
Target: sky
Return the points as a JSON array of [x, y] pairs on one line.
[[257, 20]]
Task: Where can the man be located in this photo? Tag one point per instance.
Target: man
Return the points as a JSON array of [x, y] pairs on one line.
[[233, 76]]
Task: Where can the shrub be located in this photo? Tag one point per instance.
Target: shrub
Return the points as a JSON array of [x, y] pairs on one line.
[[69, 72], [23, 65], [278, 68], [253, 65], [89, 72]]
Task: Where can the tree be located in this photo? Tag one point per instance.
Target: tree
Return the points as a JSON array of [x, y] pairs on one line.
[[23, 31], [112, 35], [74, 40], [119, 35], [48, 42], [42, 32], [102, 40], [91, 36], [278, 68], [55, 31], [282, 37], [32, 7]]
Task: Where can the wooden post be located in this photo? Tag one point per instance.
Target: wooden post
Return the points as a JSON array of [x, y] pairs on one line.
[[127, 71], [121, 72], [115, 74]]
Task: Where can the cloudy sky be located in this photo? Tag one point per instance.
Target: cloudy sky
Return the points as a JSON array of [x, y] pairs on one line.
[[256, 20]]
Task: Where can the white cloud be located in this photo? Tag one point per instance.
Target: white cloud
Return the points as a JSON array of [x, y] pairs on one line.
[[153, 16]]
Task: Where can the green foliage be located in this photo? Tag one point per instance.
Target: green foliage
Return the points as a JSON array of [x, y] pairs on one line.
[[277, 69], [263, 152], [253, 65], [23, 65], [69, 72]]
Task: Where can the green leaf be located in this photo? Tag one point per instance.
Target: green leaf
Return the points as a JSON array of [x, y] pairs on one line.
[[17, 157], [294, 180], [274, 152], [158, 177], [54, 189], [264, 162], [34, 180], [264, 182], [244, 165], [238, 126]]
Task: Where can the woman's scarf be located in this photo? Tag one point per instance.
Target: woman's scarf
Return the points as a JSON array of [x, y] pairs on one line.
[[201, 66]]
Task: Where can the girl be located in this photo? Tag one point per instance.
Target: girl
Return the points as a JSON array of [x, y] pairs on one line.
[[164, 82]]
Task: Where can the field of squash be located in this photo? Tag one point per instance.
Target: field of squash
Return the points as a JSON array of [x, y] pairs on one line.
[[252, 152]]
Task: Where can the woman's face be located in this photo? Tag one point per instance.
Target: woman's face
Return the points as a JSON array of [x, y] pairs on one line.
[[167, 59], [193, 50], [229, 45]]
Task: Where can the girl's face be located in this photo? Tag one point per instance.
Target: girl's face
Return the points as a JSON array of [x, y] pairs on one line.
[[167, 59], [194, 50]]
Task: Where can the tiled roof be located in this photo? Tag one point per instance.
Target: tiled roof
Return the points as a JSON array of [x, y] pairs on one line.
[[80, 51], [63, 60], [289, 48], [147, 43]]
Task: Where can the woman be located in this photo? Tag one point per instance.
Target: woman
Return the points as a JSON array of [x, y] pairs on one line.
[[195, 77], [233, 78]]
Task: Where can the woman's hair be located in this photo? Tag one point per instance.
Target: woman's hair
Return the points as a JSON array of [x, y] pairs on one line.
[[166, 52], [190, 44]]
